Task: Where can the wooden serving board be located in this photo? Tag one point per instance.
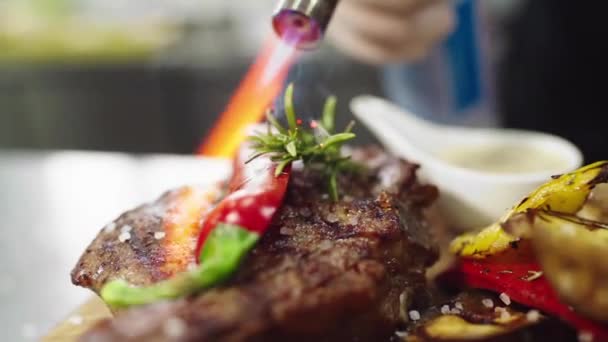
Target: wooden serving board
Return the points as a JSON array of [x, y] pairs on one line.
[[79, 321]]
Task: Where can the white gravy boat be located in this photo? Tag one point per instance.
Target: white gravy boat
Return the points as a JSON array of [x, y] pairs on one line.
[[470, 198]]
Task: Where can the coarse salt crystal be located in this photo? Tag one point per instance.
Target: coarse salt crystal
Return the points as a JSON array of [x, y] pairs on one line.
[[505, 298], [353, 220], [123, 237], [76, 320], [126, 229], [414, 315], [505, 315], [585, 336], [98, 272], [286, 231], [174, 327], [267, 212], [459, 306], [401, 334], [233, 217], [110, 227], [533, 316], [332, 218], [455, 311], [445, 309], [325, 245], [248, 201], [499, 309], [159, 235], [488, 303]]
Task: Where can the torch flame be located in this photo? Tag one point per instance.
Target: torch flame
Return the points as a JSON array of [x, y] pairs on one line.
[[181, 225], [261, 85], [257, 90]]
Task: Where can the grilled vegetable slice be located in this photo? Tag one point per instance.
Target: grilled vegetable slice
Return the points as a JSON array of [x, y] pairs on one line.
[[572, 252], [516, 277], [450, 327], [565, 194]]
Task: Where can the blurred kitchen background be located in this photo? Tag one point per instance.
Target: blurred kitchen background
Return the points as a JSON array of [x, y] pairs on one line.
[[139, 75], [150, 75], [153, 75]]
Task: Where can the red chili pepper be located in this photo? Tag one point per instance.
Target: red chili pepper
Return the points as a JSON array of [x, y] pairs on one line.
[[516, 279], [255, 196]]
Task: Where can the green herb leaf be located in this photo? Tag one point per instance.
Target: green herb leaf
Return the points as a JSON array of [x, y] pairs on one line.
[[259, 154], [318, 148], [328, 120], [333, 185], [290, 112], [281, 167], [275, 123], [339, 138], [292, 149], [350, 126]]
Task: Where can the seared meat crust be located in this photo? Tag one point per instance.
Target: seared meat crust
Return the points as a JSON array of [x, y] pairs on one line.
[[128, 248], [139, 260], [327, 271]]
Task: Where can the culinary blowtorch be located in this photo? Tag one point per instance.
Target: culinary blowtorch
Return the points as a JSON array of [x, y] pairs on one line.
[[303, 23]]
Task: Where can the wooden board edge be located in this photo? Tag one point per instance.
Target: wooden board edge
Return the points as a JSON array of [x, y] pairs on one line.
[[80, 320]]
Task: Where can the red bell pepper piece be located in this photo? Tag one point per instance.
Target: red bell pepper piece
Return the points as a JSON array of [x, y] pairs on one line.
[[515, 278], [255, 196]]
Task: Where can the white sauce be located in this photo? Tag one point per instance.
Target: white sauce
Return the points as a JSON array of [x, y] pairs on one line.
[[504, 158]]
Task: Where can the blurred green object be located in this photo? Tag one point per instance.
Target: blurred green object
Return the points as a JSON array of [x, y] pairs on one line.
[[61, 44], [42, 31], [56, 8]]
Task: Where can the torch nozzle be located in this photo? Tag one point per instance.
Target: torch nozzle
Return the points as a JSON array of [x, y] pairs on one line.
[[302, 23]]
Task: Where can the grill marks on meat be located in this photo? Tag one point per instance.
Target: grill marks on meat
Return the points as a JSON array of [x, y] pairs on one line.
[[328, 271]]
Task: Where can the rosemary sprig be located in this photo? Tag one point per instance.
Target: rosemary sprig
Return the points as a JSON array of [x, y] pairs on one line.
[[318, 147]]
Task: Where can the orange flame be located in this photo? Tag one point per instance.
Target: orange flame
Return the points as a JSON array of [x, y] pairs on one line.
[[257, 90], [181, 225]]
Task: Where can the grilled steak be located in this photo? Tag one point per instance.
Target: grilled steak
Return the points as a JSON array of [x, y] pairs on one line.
[[328, 271]]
